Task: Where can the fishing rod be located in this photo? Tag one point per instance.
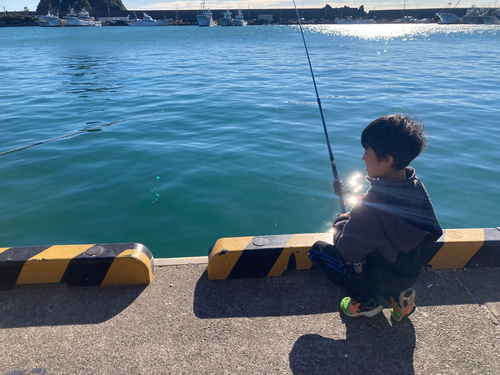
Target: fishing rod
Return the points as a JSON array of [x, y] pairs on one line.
[[337, 184], [96, 128]]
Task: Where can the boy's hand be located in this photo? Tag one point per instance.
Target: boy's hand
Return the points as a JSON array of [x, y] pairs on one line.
[[338, 225], [342, 217]]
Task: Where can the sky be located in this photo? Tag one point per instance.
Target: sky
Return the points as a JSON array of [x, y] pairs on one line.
[[12, 5]]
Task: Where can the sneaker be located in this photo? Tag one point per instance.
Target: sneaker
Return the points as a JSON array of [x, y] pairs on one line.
[[405, 307], [354, 309]]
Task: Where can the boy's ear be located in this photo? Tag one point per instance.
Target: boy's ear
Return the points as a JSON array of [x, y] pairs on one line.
[[389, 161]]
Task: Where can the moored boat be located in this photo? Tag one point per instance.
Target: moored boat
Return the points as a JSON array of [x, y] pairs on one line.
[[50, 20], [42, 23], [71, 17], [147, 20], [239, 20], [204, 17], [472, 16], [81, 19], [406, 19], [491, 17], [226, 20], [447, 18]]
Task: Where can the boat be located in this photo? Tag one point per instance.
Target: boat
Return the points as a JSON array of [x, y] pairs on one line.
[[50, 20], [472, 16], [81, 18], [226, 20], [239, 20], [447, 18], [351, 21], [204, 16], [406, 19], [119, 21], [42, 23], [491, 17], [71, 17], [423, 20], [147, 20]]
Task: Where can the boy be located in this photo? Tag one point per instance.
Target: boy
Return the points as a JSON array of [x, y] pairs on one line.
[[377, 245]]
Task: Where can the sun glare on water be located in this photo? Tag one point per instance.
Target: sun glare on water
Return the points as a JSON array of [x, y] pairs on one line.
[[386, 31]]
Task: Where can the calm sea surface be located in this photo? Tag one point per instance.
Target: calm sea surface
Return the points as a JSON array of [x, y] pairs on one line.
[[215, 132]]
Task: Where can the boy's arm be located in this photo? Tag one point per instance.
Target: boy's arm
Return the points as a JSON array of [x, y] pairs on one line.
[[338, 225], [359, 235]]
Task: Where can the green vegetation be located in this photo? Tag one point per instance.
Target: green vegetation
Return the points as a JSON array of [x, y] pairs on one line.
[[44, 5], [16, 19]]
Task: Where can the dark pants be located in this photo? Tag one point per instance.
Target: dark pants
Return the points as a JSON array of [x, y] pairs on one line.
[[327, 258], [378, 278]]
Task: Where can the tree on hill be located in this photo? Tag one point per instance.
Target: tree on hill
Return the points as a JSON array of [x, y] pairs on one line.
[[44, 5], [103, 4]]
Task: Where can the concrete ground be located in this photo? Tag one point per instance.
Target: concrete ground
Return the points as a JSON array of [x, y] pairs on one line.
[[185, 324]]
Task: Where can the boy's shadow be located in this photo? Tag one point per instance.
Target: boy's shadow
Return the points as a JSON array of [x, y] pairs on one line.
[[372, 346]]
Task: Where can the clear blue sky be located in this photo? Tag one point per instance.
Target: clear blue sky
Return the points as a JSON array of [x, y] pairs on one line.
[[12, 5]]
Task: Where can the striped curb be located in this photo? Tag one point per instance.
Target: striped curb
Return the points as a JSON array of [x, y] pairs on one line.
[[76, 265], [266, 256]]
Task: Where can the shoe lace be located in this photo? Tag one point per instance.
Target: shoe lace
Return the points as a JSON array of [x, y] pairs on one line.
[[354, 308]]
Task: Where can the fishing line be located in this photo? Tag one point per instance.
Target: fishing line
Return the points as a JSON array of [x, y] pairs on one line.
[[337, 184], [96, 128], [276, 167]]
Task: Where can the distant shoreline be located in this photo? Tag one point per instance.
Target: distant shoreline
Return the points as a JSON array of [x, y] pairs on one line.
[[325, 15]]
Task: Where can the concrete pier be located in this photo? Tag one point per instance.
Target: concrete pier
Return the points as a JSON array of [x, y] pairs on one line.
[[183, 323]]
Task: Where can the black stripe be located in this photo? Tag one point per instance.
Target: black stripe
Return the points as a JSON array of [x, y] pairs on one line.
[[143, 249], [90, 270], [9, 275], [429, 252], [21, 254], [292, 263], [12, 262], [257, 261], [489, 254]]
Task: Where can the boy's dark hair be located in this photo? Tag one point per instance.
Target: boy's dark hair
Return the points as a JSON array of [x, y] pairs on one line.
[[397, 135]]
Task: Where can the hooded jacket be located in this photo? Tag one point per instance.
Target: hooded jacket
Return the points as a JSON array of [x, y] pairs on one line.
[[393, 217]]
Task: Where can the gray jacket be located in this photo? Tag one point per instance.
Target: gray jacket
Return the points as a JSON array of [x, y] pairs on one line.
[[393, 217]]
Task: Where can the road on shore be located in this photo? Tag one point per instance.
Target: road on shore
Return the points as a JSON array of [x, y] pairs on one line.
[[185, 324]]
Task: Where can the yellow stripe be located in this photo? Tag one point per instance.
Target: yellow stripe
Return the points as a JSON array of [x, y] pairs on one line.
[[131, 267], [459, 247], [221, 262], [2, 249], [49, 266], [299, 244]]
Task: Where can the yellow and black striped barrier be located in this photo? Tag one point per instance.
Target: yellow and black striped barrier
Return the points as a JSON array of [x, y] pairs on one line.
[[272, 255], [76, 265]]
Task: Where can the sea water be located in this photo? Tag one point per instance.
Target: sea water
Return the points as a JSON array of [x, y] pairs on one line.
[[203, 133]]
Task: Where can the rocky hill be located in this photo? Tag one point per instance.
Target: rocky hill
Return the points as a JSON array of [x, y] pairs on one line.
[[44, 5]]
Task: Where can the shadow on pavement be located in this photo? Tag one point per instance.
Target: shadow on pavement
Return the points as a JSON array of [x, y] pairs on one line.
[[309, 292], [371, 346], [56, 304], [296, 293]]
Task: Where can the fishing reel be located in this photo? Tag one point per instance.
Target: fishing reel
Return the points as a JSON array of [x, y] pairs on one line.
[[353, 183]]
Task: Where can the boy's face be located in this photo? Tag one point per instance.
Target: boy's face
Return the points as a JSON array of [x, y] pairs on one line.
[[375, 168]]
